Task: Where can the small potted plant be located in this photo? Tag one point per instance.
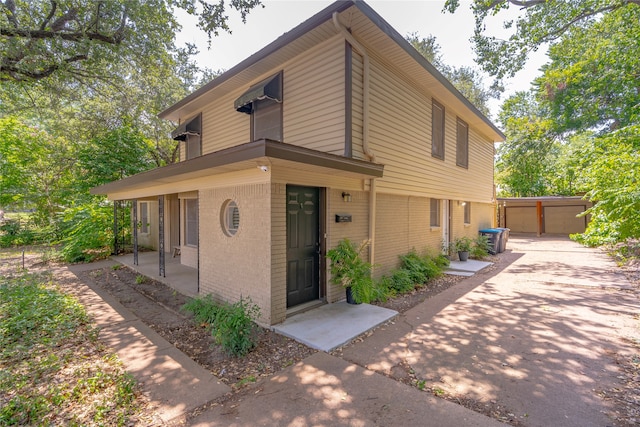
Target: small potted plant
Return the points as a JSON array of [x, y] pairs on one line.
[[463, 247]]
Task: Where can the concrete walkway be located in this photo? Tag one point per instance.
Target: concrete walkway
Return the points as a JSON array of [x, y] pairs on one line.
[[534, 337], [175, 384]]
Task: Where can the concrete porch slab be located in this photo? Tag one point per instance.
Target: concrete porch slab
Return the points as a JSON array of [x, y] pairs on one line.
[[333, 325], [471, 266]]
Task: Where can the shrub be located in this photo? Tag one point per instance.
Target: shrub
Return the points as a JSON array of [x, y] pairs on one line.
[[402, 281], [480, 248], [349, 270], [232, 325], [89, 232], [421, 268]]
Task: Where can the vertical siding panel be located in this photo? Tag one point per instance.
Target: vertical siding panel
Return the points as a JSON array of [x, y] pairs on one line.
[[314, 88]]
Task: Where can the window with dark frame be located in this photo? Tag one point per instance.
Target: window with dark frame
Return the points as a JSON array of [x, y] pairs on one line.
[[191, 133], [437, 130], [435, 213], [193, 147], [191, 222], [144, 217], [467, 213], [462, 144], [266, 120]]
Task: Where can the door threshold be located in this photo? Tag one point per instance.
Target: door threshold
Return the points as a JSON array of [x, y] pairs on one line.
[[301, 308]]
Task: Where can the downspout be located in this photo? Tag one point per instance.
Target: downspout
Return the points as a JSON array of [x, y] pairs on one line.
[[365, 129]]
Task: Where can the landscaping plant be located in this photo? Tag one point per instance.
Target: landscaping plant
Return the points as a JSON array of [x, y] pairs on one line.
[[232, 325], [349, 270]]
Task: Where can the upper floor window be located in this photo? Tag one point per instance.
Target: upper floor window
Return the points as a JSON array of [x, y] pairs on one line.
[[263, 101], [191, 133], [462, 144], [437, 130]]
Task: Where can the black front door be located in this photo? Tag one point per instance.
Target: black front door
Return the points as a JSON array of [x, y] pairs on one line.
[[303, 244]]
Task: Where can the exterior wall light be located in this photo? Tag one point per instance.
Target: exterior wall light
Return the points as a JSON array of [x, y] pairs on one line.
[[346, 197]]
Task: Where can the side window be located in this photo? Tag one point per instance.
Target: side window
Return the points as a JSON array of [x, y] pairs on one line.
[[435, 213], [191, 133], [467, 212], [437, 130], [191, 222], [266, 120], [144, 217], [462, 144]]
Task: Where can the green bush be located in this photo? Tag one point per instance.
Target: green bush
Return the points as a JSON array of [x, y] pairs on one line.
[[421, 268], [402, 282], [232, 325], [88, 232], [480, 248], [349, 270]]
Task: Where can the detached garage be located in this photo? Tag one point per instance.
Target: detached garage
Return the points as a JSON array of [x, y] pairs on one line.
[[544, 215]]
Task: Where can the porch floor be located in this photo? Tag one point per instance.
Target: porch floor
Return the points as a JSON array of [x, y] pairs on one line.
[[332, 325], [179, 277]]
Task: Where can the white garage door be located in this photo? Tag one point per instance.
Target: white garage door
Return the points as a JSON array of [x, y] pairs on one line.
[[563, 220], [521, 219]]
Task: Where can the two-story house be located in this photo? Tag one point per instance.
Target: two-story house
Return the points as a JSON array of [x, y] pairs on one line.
[[339, 128]]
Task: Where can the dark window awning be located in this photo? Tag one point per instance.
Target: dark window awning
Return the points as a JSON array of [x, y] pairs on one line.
[[270, 88], [191, 127]]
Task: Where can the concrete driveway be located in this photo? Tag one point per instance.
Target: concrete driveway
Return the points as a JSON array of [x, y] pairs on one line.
[[533, 337]]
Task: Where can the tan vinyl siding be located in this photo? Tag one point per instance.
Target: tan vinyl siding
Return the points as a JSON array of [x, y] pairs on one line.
[[400, 137], [402, 225], [482, 215], [223, 126], [357, 231], [357, 106], [314, 98]]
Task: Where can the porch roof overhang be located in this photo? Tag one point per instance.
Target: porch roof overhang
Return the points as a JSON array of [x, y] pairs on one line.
[[244, 156]]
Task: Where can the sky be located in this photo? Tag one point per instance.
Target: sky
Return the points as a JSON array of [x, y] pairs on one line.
[[264, 25]]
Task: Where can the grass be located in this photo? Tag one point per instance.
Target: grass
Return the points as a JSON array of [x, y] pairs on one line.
[[53, 369]]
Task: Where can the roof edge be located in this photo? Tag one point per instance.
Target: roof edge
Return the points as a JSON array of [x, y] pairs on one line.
[[288, 37], [381, 23]]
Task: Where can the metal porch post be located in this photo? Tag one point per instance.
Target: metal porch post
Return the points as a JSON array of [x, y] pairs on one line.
[[135, 231], [115, 227], [161, 235]]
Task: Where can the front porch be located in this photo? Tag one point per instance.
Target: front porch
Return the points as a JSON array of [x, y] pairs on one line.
[[178, 276]]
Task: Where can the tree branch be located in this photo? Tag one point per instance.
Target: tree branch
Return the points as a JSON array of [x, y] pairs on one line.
[[116, 38], [36, 75], [54, 7]]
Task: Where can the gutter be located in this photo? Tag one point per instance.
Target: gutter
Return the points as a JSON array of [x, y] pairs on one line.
[[365, 128]]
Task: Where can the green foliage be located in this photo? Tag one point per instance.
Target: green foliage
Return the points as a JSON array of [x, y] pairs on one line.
[[480, 247], [49, 360], [349, 270], [420, 268], [88, 232], [538, 23], [614, 177], [415, 270], [463, 244], [591, 88], [232, 325]]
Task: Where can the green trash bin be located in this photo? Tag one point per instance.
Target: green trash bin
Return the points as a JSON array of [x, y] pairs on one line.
[[494, 239]]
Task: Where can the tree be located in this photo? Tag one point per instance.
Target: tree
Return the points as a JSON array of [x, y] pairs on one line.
[[79, 39], [543, 21], [525, 158], [466, 79], [614, 178], [595, 87]]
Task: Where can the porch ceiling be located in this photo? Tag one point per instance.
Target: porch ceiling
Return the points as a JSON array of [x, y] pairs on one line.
[[242, 157]]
